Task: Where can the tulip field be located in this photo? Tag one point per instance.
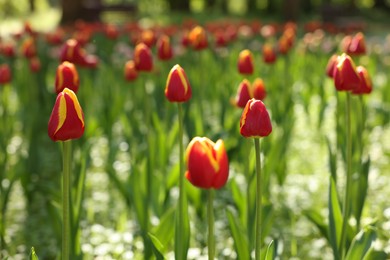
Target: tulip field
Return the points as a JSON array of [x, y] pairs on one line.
[[225, 139]]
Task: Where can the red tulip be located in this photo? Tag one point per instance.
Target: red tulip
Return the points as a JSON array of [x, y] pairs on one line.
[[255, 121], [111, 31], [258, 89], [35, 64], [164, 48], [178, 87], [5, 74], [143, 57], [245, 62], [198, 38], [74, 53], [29, 49], [67, 77], [243, 93], [207, 162], [331, 65], [366, 84], [345, 43], [8, 50], [269, 55], [130, 71], [357, 45], [67, 118], [345, 75], [148, 37]]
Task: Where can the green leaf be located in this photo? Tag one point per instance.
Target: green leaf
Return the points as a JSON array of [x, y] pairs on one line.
[[137, 179], [33, 255], [239, 200], [335, 218], [165, 229], [317, 220], [360, 190], [361, 243], [239, 237], [373, 254], [270, 253], [181, 253], [332, 160], [157, 247]]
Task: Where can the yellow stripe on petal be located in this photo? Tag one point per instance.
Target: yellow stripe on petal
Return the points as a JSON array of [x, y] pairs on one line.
[[183, 80], [208, 147], [76, 104], [61, 113]]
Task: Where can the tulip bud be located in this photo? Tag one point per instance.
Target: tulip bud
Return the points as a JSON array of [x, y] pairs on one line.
[[345, 75], [269, 55], [130, 71], [178, 87], [67, 77], [164, 48], [148, 37], [365, 86], [258, 89], [245, 62], [143, 57], [29, 49], [35, 64], [357, 45], [5, 74], [207, 162], [198, 38], [67, 118], [331, 65], [74, 53], [243, 93], [255, 121]]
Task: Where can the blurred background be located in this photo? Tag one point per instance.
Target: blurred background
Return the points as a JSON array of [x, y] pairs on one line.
[[46, 14]]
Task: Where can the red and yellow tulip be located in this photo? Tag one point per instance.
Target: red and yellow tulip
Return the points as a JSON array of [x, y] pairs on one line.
[[178, 88], [245, 62], [67, 77], [67, 118], [164, 48], [130, 71], [143, 57], [255, 120], [345, 75], [365, 86], [207, 162]]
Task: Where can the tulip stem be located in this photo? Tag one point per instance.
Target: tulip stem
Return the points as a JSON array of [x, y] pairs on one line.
[[258, 200], [179, 222], [65, 199], [346, 202], [210, 215]]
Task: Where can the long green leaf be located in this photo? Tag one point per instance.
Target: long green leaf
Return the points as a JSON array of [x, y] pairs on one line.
[[318, 220], [270, 253], [360, 190], [361, 243], [335, 218], [157, 247], [165, 229], [239, 236]]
